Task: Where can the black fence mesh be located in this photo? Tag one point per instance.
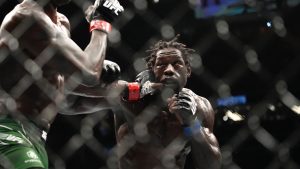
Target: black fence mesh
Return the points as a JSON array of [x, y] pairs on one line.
[[254, 54]]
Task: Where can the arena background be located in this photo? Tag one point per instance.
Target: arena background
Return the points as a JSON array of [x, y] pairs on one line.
[[247, 65]]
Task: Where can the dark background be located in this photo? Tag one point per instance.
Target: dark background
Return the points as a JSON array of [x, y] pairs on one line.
[[267, 138]]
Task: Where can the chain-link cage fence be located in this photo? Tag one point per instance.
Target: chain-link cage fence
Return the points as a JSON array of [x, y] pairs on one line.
[[248, 49]]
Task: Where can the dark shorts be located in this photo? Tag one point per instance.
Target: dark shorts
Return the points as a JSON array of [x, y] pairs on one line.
[[21, 145]]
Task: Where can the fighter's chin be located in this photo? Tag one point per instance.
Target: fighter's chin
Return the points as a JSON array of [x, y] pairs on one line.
[[171, 84]]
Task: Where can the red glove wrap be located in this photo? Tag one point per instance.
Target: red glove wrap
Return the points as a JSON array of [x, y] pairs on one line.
[[100, 25], [133, 91]]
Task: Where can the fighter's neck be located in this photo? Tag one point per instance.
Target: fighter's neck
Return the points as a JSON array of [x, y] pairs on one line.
[[51, 11]]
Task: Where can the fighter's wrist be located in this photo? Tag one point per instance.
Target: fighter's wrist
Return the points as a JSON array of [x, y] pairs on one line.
[[132, 91], [190, 130], [101, 25]]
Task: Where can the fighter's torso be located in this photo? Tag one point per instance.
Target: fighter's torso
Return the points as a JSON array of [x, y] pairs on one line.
[[155, 139], [28, 72]]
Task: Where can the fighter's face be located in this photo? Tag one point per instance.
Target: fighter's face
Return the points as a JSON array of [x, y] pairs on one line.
[[60, 2], [170, 68]]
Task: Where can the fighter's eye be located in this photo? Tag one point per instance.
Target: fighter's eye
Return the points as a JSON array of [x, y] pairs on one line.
[[160, 65], [177, 63]]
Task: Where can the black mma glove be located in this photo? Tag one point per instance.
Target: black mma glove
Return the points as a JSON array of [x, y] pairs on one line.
[[145, 76], [146, 80], [111, 72], [184, 106], [106, 10]]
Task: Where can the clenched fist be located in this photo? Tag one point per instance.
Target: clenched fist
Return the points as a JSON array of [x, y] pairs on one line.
[[106, 10], [184, 106]]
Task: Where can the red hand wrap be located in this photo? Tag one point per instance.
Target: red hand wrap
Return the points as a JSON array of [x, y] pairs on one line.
[[133, 91], [100, 25]]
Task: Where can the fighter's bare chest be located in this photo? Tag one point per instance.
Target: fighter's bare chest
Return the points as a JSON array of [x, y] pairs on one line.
[[151, 120], [152, 141], [164, 126]]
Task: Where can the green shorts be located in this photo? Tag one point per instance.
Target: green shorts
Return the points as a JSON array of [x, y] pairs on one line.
[[21, 147]]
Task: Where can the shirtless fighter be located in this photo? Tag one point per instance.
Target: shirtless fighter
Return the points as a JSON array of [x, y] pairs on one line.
[[163, 121], [37, 56]]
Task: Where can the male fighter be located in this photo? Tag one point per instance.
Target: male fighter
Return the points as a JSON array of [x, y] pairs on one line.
[[163, 121], [37, 56]]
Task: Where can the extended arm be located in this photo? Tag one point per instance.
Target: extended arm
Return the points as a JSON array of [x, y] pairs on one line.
[[45, 39], [85, 100]]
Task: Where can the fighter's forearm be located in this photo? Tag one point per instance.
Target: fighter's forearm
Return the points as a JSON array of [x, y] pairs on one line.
[[112, 90], [85, 99], [96, 50], [78, 104], [91, 69], [205, 150]]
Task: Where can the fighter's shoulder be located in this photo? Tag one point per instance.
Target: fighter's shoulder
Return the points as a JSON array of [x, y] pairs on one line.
[[13, 15], [204, 102], [20, 12], [189, 91], [10, 21], [26, 9], [205, 110]]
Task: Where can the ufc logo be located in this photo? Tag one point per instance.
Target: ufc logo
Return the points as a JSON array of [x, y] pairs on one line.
[[111, 6]]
